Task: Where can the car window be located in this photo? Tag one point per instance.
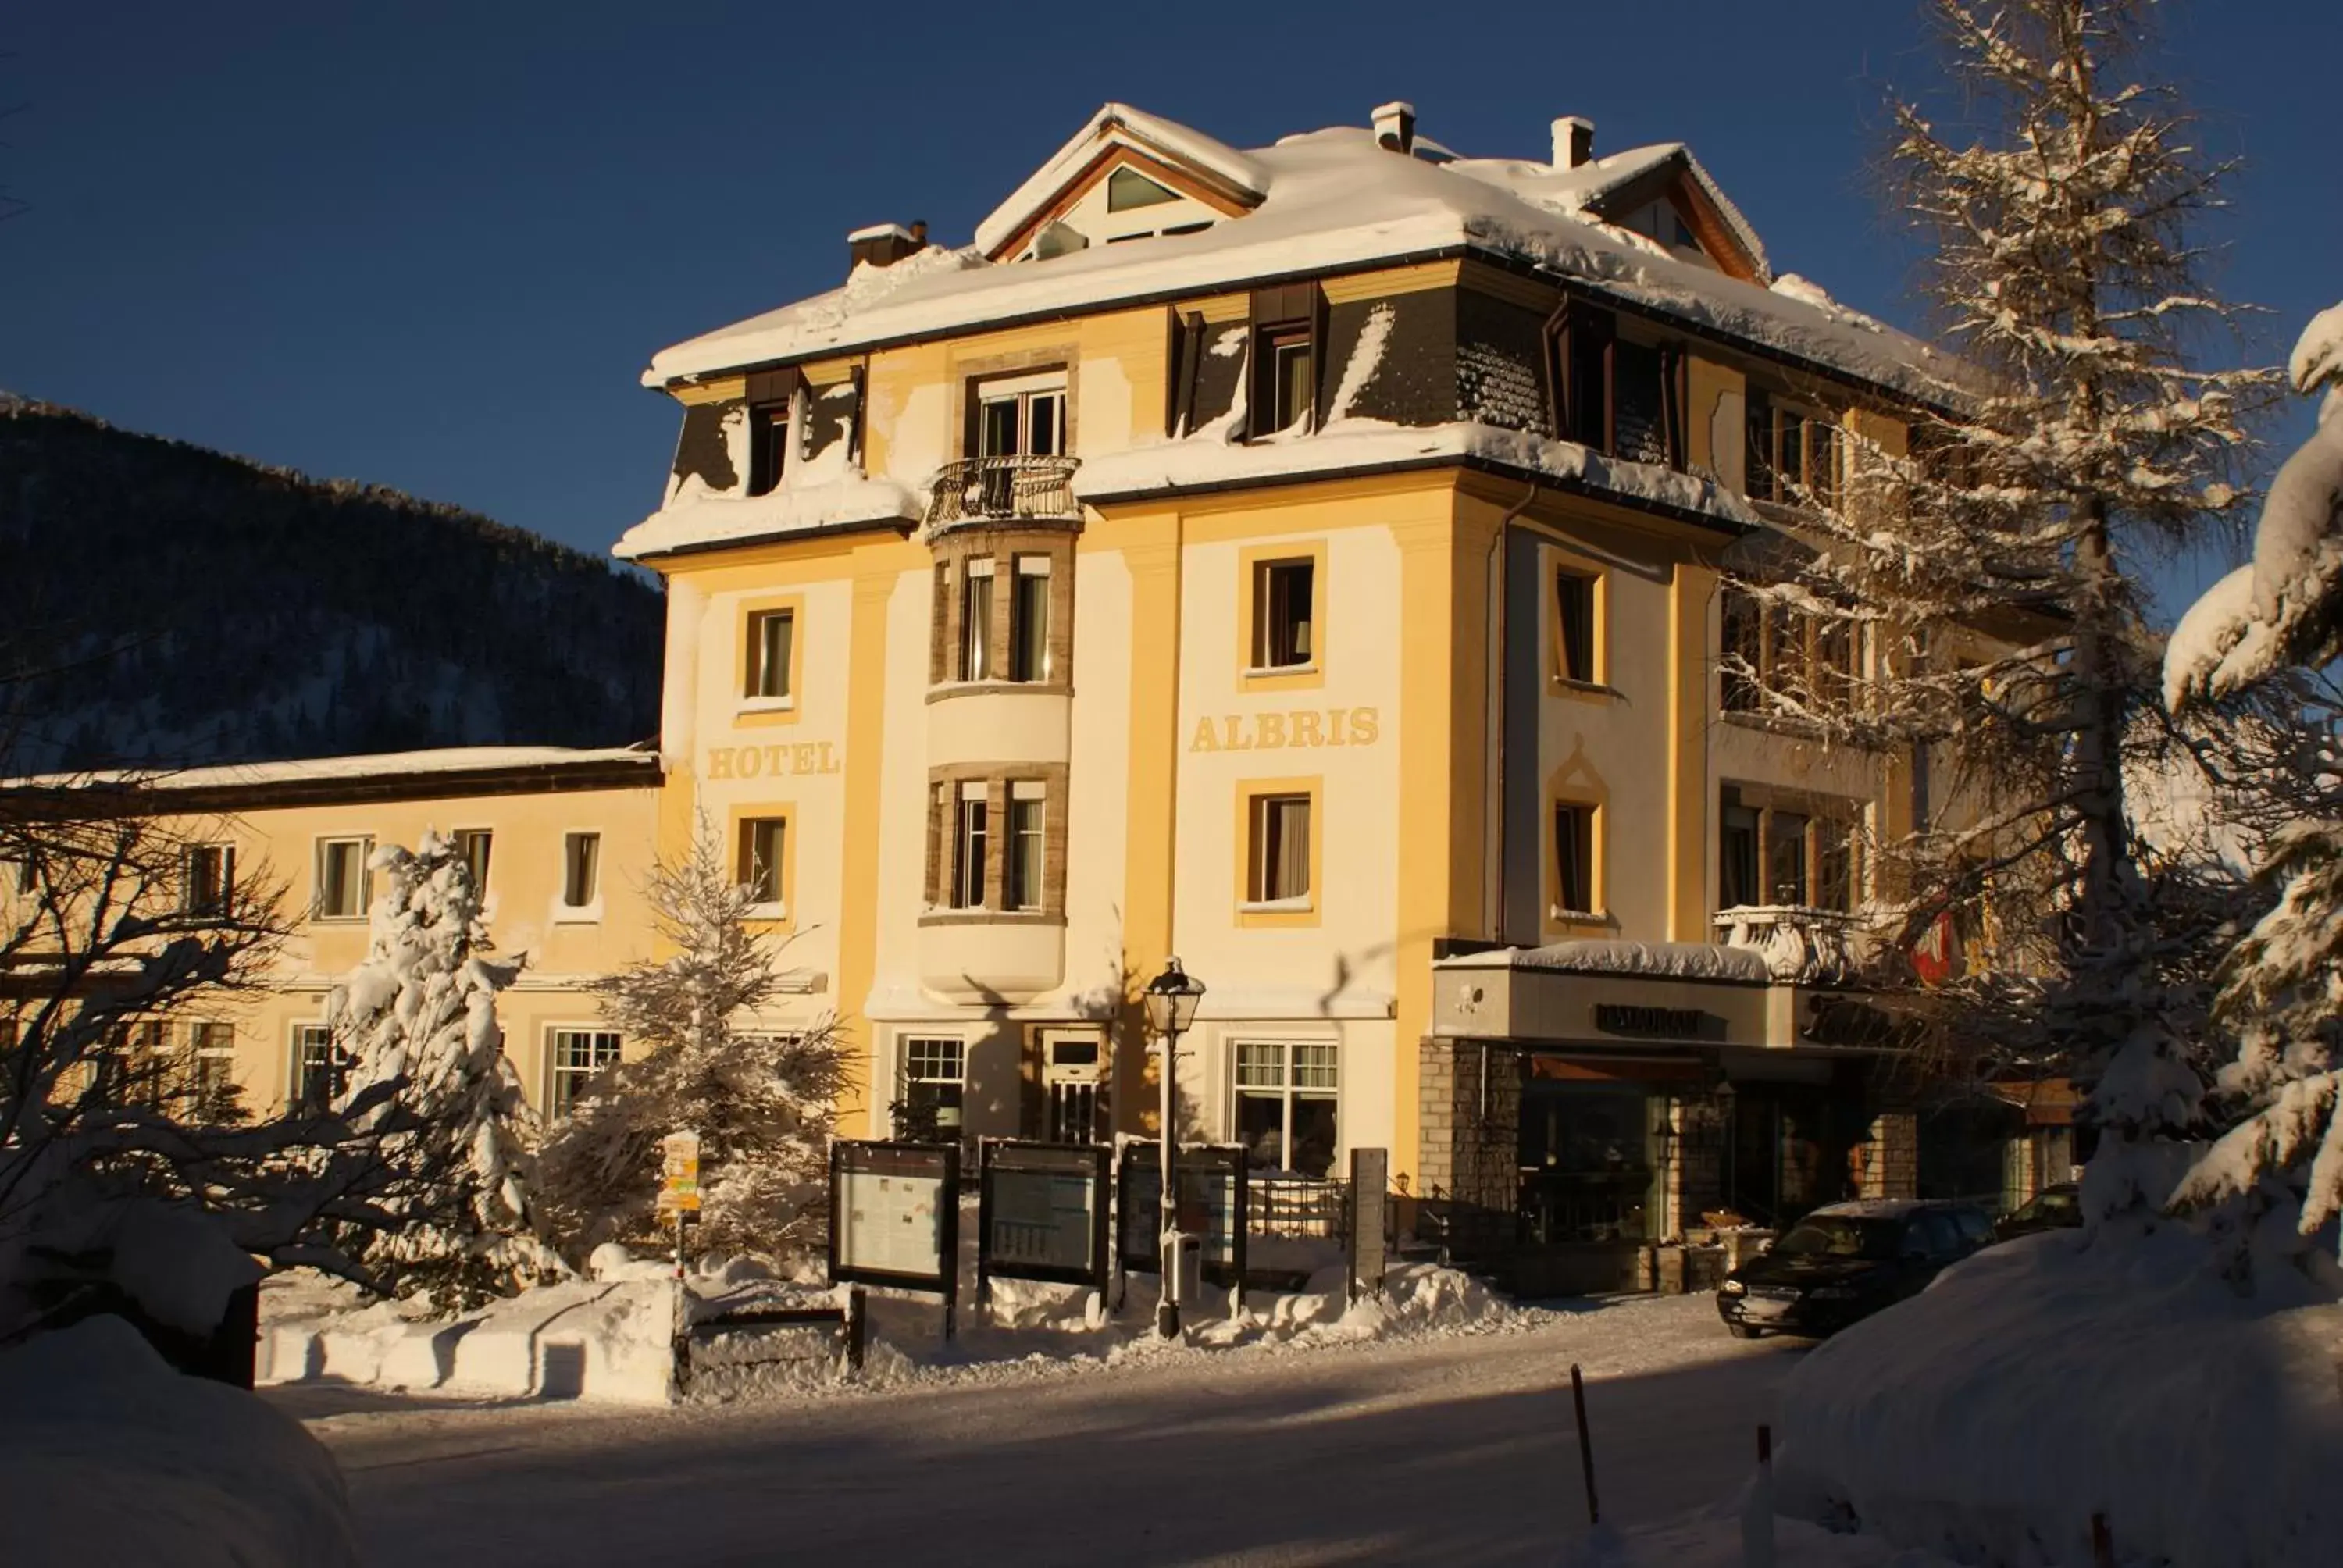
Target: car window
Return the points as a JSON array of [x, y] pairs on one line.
[[2055, 1206], [1838, 1236], [1939, 1237], [1976, 1229]]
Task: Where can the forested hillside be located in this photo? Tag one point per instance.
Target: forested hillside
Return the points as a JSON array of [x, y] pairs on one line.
[[162, 602]]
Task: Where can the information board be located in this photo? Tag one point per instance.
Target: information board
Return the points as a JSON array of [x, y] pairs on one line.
[[894, 1215], [1211, 1208], [1041, 1213]]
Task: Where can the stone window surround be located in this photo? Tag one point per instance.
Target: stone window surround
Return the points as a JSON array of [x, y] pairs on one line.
[[1002, 545], [943, 795]]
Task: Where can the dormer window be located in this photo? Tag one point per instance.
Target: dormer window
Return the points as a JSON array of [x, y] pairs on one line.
[[1127, 188], [772, 402], [1024, 417], [1616, 396], [1288, 325]]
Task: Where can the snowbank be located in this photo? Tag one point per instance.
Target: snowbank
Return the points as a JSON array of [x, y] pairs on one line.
[[108, 1456], [608, 1340], [1715, 1541], [2042, 1382], [611, 1338]]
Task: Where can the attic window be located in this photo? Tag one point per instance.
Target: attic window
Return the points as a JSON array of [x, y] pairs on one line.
[[1127, 188]]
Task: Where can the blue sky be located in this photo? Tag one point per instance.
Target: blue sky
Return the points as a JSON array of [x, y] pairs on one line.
[[432, 245]]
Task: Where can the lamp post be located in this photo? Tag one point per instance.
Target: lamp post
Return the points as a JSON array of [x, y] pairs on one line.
[[1172, 997]]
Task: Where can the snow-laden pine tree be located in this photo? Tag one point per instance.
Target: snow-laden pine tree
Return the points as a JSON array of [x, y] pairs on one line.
[[2282, 991], [762, 1101], [1994, 566], [419, 1014]]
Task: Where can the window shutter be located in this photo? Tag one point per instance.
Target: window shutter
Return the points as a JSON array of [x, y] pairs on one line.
[[1672, 402], [1188, 347], [1319, 380], [773, 385]]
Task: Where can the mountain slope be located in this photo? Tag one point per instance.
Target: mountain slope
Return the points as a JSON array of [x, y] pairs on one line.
[[166, 603]]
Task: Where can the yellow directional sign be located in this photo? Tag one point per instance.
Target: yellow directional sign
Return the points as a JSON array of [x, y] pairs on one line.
[[680, 1173]]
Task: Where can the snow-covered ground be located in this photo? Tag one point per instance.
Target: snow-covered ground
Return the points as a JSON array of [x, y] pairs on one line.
[[1429, 1449]]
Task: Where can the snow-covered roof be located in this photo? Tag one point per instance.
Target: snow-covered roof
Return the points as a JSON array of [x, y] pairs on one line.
[[378, 766], [696, 517], [1329, 200], [1662, 960], [1875, 1207]]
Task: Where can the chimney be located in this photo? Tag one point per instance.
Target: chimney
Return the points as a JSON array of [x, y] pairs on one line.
[[1395, 126], [884, 244], [1573, 141]]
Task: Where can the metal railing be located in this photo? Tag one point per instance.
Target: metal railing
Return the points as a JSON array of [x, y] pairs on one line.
[[1003, 489], [1297, 1207]]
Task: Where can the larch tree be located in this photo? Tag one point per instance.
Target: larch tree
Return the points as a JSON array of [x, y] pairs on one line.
[[416, 1020], [762, 1101], [2276, 1178], [1993, 566]]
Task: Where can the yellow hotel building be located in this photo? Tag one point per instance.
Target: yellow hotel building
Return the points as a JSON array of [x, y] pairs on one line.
[[1303, 559]]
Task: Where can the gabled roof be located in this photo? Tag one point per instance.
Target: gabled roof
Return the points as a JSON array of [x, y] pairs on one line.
[[1239, 181], [1327, 201], [1611, 187]]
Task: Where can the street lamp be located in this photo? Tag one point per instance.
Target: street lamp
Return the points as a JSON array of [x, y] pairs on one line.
[[1172, 997]]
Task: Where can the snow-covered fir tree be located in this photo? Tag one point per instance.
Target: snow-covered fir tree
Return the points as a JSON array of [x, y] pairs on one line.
[[2283, 985], [1992, 568], [419, 1014], [762, 1101]]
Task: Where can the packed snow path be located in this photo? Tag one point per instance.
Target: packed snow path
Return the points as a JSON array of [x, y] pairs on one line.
[[1438, 1450]]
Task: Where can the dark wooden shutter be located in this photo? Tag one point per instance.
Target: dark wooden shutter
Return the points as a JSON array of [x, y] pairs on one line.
[[1188, 349], [773, 385], [1672, 393]]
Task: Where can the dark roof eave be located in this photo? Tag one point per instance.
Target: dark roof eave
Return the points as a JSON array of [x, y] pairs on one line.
[[1507, 260], [1567, 485]]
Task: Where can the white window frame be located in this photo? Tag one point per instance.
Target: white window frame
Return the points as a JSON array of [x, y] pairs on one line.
[[198, 1052], [1287, 1091], [976, 651], [905, 1048], [1025, 792], [1263, 631], [1260, 865], [458, 837], [225, 850], [365, 842], [1028, 569], [962, 878], [303, 1031], [777, 907], [558, 1074], [1023, 390]]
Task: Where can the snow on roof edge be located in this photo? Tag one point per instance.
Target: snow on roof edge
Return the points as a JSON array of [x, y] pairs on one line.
[[449, 759]]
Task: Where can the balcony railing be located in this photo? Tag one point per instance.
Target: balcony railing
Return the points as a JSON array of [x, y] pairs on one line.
[[1004, 489], [1800, 943]]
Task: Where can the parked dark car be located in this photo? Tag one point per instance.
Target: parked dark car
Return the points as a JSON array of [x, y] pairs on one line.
[[1846, 1261], [2055, 1208]]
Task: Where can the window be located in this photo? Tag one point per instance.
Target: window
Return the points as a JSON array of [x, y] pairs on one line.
[[763, 841], [211, 1072], [970, 837], [1292, 387], [1127, 188], [134, 1065], [319, 1073], [577, 1056], [1283, 599], [1744, 645], [1573, 608], [1287, 324], [976, 620], [472, 847], [1279, 872], [1736, 872], [772, 641], [1022, 872], [209, 879], [1794, 454], [1028, 620], [343, 879], [1785, 857], [581, 868], [1286, 1099], [1834, 865], [935, 1081], [1573, 860], [769, 446], [1614, 395], [1026, 418]]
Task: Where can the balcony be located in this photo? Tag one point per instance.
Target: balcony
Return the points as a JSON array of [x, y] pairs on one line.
[[1801, 944], [1004, 491]]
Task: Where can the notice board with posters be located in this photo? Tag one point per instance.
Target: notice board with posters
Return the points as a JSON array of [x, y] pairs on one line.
[[1212, 1195], [894, 1215], [1041, 1213]]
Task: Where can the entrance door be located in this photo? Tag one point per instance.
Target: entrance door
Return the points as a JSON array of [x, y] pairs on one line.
[[1071, 1075]]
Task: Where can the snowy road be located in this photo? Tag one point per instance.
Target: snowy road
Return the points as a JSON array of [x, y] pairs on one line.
[[1442, 1449]]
